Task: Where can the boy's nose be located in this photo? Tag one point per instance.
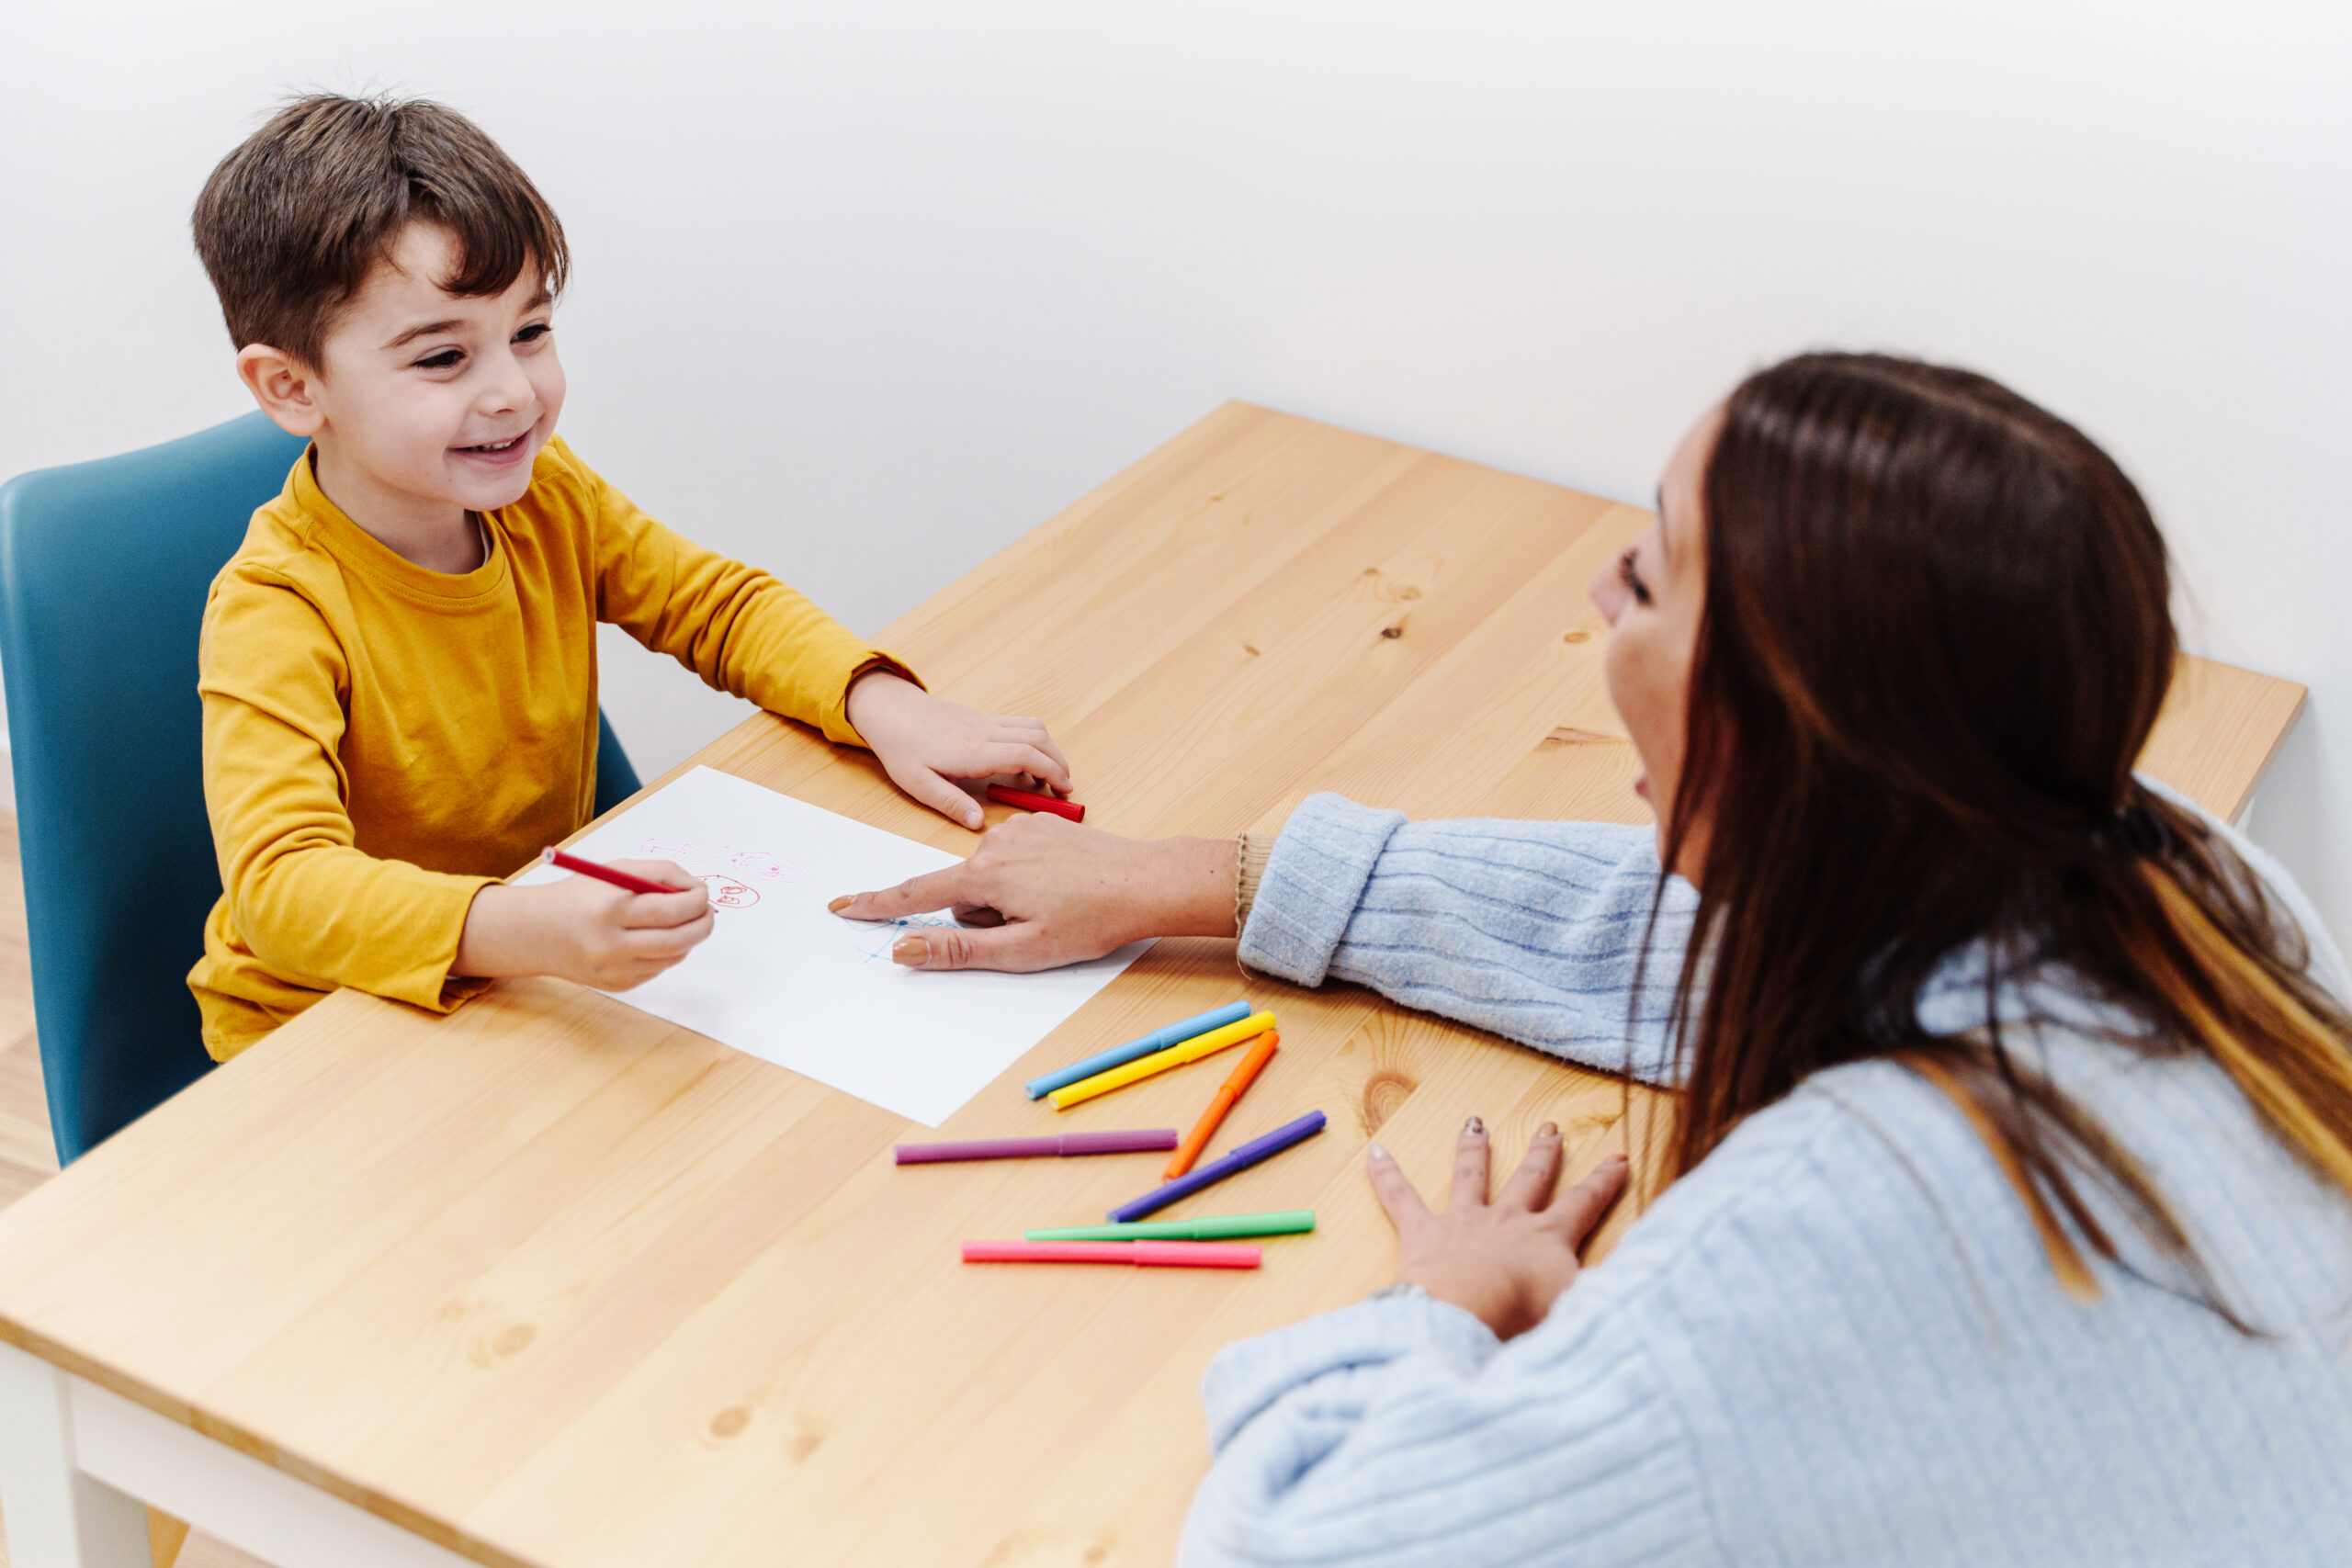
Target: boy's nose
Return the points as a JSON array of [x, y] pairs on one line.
[[506, 388]]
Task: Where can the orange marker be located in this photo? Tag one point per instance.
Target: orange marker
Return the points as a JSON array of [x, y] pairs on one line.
[[1228, 1093]]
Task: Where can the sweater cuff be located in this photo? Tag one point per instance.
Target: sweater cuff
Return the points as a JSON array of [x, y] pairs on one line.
[[1313, 878], [834, 720], [1247, 1377]]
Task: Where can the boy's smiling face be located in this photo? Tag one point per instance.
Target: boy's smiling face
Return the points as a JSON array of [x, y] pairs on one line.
[[427, 406]]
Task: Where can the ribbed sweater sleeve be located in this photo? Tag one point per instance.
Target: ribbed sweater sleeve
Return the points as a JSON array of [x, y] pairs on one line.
[[1399, 1431], [1532, 930]]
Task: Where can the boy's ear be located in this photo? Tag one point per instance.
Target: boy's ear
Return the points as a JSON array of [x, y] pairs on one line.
[[286, 390]]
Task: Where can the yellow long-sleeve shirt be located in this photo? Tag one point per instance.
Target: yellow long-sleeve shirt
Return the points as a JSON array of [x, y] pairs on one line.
[[381, 741]]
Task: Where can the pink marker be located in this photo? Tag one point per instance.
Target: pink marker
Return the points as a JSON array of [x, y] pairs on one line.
[[1149, 1254], [1064, 1145]]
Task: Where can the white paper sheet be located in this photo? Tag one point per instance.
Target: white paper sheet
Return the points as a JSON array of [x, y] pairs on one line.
[[792, 984]]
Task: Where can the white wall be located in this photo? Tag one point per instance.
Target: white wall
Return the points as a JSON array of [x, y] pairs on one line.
[[865, 291]]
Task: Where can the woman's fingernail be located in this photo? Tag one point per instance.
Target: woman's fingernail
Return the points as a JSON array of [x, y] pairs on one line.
[[1473, 1126], [910, 951], [838, 905], [1375, 1151], [1549, 1129], [1616, 1159]]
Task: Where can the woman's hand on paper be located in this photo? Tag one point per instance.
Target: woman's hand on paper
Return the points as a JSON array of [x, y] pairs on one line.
[[925, 743], [584, 929], [1045, 892], [1505, 1262]]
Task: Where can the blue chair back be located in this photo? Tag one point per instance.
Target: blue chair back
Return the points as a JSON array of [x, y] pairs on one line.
[[616, 780], [104, 568]]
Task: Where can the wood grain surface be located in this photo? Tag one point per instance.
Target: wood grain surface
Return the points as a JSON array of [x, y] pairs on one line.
[[555, 1283]]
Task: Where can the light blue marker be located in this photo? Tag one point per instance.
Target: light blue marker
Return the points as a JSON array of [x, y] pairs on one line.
[[1119, 1056]]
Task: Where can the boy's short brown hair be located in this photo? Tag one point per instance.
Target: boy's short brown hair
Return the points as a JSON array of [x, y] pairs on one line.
[[291, 222]]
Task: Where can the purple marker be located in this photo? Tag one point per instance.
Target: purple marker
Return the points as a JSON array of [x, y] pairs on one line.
[[1217, 1170], [1035, 1149]]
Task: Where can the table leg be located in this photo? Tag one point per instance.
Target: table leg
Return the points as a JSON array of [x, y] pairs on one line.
[[56, 1517]]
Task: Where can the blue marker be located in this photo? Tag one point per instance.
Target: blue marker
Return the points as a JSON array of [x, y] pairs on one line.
[[1120, 1056], [1217, 1170]]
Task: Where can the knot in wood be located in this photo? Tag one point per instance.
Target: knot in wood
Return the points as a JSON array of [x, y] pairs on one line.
[[1385, 1093]]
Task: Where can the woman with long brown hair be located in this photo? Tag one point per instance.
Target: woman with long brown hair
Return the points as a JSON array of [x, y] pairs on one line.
[[2012, 1210]]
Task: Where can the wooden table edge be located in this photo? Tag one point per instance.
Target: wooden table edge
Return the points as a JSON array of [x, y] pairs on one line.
[[240, 1440]]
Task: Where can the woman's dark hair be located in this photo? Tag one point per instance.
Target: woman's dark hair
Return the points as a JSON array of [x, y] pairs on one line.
[[1937, 633]]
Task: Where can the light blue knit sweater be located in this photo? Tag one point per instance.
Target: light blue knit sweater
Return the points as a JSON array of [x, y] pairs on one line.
[[1837, 1341]]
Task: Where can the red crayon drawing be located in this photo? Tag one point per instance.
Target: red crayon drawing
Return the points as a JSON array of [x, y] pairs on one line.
[[716, 863], [725, 893]]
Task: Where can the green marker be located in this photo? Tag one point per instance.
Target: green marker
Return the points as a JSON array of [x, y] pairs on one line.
[[1211, 1227]]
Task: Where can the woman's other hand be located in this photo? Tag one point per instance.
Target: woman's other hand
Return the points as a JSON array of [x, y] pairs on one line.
[[1507, 1261], [1045, 892]]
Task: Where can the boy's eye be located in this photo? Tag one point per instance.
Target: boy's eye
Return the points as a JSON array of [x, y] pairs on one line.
[[441, 361], [534, 332]]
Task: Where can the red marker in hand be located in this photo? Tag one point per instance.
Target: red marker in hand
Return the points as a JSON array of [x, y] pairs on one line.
[[1028, 801], [629, 880]]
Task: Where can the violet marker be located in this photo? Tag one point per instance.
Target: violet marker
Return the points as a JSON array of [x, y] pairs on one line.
[[1036, 1148], [1218, 1170]]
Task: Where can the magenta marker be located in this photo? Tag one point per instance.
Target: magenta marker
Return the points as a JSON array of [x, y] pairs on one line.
[[1039, 1148]]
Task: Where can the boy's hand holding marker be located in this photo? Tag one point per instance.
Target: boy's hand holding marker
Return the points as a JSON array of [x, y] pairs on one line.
[[585, 928], [925, 743]]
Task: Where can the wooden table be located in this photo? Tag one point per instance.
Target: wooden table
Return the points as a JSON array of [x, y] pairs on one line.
[[548, 1281]]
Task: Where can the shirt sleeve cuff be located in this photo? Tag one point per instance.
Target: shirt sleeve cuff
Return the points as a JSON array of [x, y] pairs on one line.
[[426, 982], [1312, 881], [1247, 1377], [834, 720]]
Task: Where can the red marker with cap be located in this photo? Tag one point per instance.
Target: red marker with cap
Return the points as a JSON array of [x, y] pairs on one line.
[[629, 880], [1029, 800]]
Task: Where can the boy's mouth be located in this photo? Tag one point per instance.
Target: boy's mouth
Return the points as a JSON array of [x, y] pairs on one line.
[[495, 448]]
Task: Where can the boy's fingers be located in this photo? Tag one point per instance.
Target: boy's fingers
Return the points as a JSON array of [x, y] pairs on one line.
[[1469, 1166], [645, 912], [1034, 755], [1398, 1198], [668, 873], [1017, 947], [1019, 757], [1033, 732], [1047, 745], [916, 896], [1579, 1208], [667, 944], [1531, 1185], [945, 798]]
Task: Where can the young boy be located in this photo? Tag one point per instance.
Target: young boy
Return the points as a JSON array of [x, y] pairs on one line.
[[399, 665]]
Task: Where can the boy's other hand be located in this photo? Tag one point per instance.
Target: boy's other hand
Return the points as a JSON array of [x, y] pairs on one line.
[[927, 743], [584, 929]]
